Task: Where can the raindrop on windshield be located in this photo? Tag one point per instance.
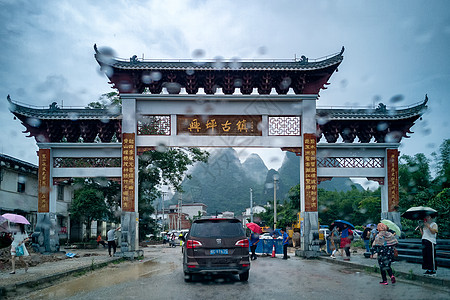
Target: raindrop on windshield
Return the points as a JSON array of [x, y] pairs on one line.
[[106, 55], [382, 126], [198, 53], [238, 82], [73, 116], [146, 78], [235, 63], [125, 86], [396, 99], [156, 76], [218, 62], [34, 122], [173, 87], [262, 50]]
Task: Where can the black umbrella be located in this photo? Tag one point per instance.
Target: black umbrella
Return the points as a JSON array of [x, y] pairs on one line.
[[419, 213], [340, 224]]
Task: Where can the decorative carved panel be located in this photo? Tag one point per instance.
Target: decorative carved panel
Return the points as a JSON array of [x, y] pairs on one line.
[[153, 125], [350, 162], [284, 125], [86, 162]]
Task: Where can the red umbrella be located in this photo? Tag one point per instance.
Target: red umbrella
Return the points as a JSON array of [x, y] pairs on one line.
[[16, 218], [254, 227]]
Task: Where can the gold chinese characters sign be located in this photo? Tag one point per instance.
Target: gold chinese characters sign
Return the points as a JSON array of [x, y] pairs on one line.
[[392, 172], [44, 181], [310, 164], [219, 125], [128, 171]]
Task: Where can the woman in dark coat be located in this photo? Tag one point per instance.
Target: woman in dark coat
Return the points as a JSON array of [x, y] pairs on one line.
[[384, 244]]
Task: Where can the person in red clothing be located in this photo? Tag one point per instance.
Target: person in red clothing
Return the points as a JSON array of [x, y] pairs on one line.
[[101, 241], [346, 240]]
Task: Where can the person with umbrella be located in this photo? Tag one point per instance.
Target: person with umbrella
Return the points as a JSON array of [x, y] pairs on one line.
[[384, 245], [18, 248], [346, 240], [254, 238], [336, 240], [429, 231]]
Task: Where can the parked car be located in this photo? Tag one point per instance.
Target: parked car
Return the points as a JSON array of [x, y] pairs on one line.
[[214, 246], [268, 236]]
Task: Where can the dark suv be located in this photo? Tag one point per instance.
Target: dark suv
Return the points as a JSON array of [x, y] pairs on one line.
[[214, 246]]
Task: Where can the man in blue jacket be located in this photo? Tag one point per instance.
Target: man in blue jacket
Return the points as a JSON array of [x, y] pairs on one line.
[[285, 242]]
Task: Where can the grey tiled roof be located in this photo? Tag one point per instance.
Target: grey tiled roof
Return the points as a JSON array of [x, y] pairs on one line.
[[379, 113], [56, 113], [256, 65]]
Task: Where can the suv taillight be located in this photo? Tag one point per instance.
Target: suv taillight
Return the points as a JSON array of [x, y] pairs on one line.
[[242, 243], [190, 244]]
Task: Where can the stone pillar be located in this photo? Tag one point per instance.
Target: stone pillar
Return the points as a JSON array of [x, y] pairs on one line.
[[130, 217], [45, 238], [390, 190], [309, 232]]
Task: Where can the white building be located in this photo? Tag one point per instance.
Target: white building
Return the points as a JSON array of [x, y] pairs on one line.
[[18, 188]]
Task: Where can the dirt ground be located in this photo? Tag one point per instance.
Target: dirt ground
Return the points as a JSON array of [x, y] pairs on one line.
[[33, 260]]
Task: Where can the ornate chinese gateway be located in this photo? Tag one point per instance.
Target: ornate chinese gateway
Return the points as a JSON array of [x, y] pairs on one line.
[[270, 104]]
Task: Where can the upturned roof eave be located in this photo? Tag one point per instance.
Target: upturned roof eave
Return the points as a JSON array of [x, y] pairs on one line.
[[61, 113], [214, 66]]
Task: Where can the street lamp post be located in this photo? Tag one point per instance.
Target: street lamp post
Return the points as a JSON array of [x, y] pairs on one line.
[[163, 216], [251, 205], [275, 179]]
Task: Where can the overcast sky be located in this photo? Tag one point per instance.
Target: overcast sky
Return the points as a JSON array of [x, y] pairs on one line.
[[395, 51]]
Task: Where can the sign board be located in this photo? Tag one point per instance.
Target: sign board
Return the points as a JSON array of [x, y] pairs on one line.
[[44, 181], [392, 172], [310, 167], [219, 125], [128, 171]]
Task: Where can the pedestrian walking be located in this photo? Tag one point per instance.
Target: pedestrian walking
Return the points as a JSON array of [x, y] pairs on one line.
[[111, 236], [346, 240], [18, 248], [366, 237], [254, 240], [384, 245], [429, 230], [285, 242], [336, 241]]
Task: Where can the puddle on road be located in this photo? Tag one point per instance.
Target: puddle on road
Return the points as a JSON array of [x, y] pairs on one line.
[[109, 276]]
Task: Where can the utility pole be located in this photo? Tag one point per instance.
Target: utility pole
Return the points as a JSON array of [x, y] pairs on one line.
[[251, 205], [163, 216], [180, 210], [275, 179]]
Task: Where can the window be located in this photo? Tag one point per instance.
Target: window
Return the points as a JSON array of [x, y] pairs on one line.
[[60, 192], [21, 184]]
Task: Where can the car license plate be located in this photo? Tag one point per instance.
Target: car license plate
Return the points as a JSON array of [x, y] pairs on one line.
[[218, 251]]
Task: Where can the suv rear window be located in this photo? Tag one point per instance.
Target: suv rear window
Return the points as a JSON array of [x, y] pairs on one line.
[[217, 228]]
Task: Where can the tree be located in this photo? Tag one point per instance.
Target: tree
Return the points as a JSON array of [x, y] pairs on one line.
[[164, 167], [442, 179], [88, 204], [415, 186], [108, 100], [441, 203]]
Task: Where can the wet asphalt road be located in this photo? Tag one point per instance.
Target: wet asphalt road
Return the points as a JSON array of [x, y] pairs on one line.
[[270, 278]]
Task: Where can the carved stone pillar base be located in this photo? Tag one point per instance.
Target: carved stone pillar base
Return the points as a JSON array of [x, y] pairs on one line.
[[45, 238], [129, 232], [309, 232]]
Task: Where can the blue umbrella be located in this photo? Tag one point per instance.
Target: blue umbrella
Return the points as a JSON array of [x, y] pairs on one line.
[[340, 224]]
